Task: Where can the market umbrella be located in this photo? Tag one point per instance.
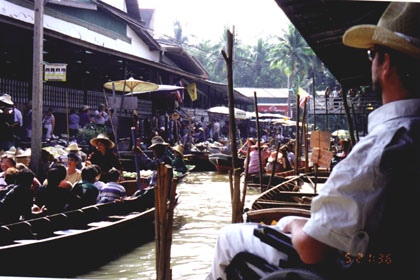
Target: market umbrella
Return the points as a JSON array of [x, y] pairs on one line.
[[341, 133], [131, 85], [159, 88]]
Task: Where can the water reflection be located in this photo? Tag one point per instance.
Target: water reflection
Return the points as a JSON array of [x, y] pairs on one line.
[[204, 208]]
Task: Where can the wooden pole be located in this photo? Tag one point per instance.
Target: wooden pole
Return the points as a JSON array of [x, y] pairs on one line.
[[232, 123], [314, 97], [258, 140], [246, 177], [327, 92], [297, 144], [355, 122], [348, 117], [67, 119], [306, 147], [274, 166], [236, 213], [165, 186], [37, 87]]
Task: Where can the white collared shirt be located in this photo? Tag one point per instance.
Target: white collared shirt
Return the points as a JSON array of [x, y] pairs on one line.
[[349, 203]]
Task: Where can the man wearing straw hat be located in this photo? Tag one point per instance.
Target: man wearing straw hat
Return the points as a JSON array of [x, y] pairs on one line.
[[364, 215], [160, 155]]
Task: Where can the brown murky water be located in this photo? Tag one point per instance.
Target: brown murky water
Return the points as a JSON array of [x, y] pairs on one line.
[[203, 209]]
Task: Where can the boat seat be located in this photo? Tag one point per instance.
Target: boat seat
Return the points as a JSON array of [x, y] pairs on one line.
[[41, 227], [110, 208], [21, 230], [76, 219], [91, 213], [58, 221], [6, 237]]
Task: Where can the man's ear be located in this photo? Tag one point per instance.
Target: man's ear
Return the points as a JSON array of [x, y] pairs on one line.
[[386, 67]]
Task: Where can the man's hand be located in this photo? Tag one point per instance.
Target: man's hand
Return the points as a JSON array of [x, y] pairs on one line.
[[137, 151], [310, 250]]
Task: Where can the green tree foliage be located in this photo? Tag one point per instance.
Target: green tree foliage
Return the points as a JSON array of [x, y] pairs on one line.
[[286, 60]]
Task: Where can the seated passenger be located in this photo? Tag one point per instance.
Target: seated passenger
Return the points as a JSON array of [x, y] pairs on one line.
[[53, 199], [361, 217], [73, 174], [18, 200], [112, 190], [85, 189]]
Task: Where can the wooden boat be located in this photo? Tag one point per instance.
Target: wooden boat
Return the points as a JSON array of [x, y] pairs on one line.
[[267, 216], [200, 160], [223, 162], [74, 242], [296, 192], [131, 185]]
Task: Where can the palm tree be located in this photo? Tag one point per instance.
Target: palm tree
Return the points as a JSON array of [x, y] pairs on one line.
[[293, 55], [179, 39]]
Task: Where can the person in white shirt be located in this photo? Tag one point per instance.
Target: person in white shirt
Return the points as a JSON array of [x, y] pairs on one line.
[[362, 213]]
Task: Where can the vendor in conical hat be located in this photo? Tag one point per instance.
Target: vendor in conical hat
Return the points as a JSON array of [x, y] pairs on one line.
[[104, 157], [178, 161]]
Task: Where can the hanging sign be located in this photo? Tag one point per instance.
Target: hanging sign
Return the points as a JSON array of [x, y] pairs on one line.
[[320, 139], [321, 157], [55, 72]]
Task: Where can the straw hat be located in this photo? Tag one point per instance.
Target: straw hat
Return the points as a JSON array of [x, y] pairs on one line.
[[398, 29], [73, 147], [84, 108], [7, 99], [175, 116], [157, 140], [179, 149], [104, 139]]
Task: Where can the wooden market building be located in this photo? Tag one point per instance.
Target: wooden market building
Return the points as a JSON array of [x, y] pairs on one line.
[[99, 41]]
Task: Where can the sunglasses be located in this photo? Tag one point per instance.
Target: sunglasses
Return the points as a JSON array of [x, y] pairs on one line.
[[371, 54]]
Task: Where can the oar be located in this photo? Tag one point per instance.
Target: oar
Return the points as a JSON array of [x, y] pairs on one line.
[[136, 159]]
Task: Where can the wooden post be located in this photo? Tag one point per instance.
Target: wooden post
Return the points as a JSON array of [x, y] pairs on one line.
[[314, 97], [305, 142], [327, 92], [67, 119], [165, 186], [232, 123], [37, 87], [245, 179], [355, 122], [232, 127], [257, 119], [297, 144], [136, 157], [348, 117], [274, 166]]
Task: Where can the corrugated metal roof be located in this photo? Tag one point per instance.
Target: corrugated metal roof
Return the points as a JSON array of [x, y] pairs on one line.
[[264, 92]]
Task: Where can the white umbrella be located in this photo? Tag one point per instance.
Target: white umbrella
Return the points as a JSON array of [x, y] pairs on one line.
[[341, 133], [239, 114]]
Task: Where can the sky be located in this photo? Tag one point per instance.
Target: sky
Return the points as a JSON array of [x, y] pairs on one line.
[[205, 20]]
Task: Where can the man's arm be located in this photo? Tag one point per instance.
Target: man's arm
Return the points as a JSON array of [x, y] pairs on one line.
[[310, 250]]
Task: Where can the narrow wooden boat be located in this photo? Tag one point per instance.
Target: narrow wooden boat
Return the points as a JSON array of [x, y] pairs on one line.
[[267, 216], [296, 192], [71, 243], [200, 160], [223, 162]]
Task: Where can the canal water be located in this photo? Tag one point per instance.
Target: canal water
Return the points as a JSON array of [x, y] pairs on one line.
[[204, 208]]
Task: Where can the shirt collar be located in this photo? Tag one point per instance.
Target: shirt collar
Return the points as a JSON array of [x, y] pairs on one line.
[[394, 110]]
